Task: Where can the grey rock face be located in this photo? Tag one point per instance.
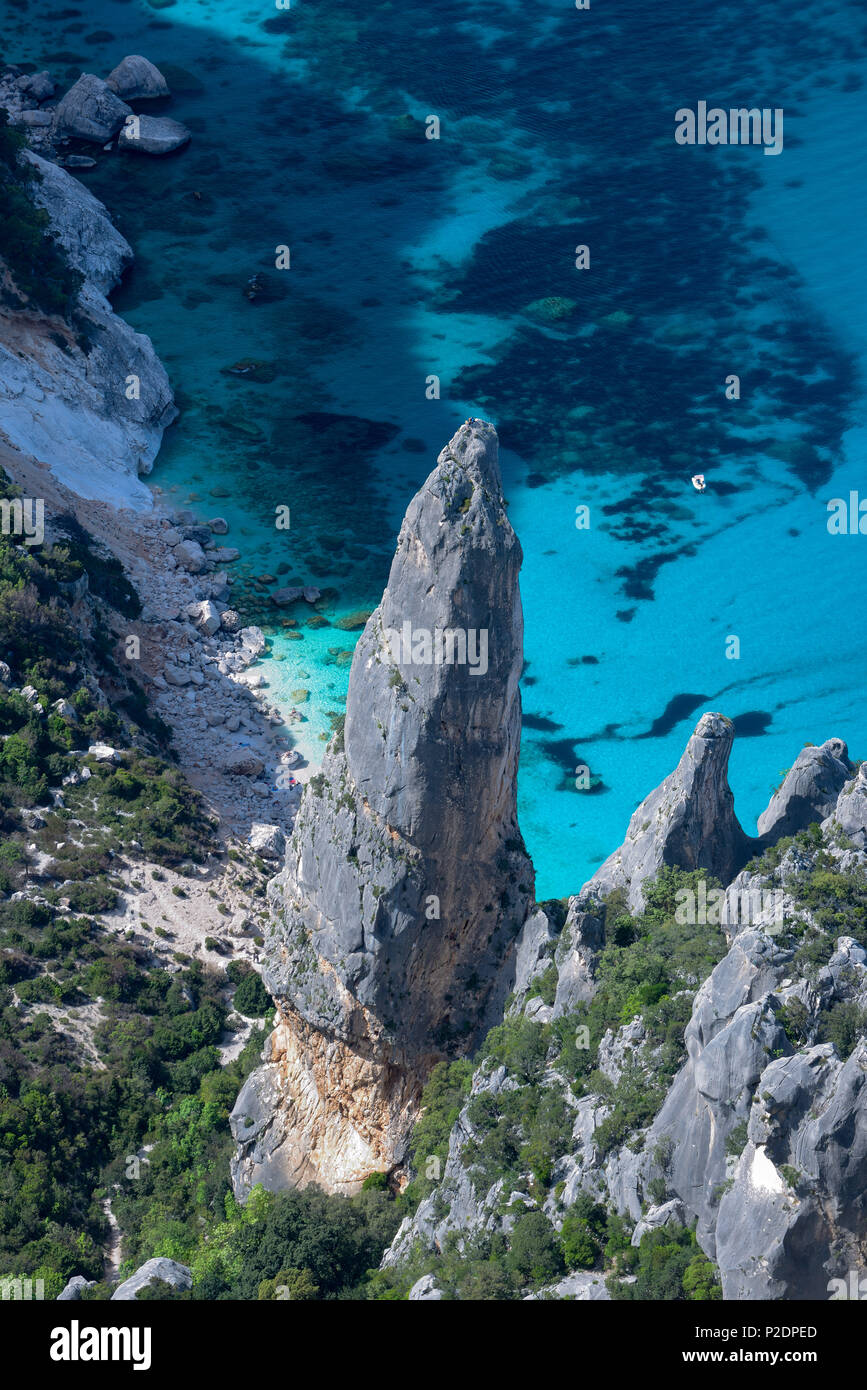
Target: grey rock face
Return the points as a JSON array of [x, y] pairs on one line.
[[668, 1214], [425, 1290], [69, 408], [850, 813], [428, 774], [809, 792], [81, 224], [796, 1215], [72, 1291], [532, 955], [90, 110], [153, 135], [733, 1033], [136, 79], [455, 1209], [267, 840], [583, 1288], [39, 86], [688, 821], [169, 1271], [406, 880], [580, 943]]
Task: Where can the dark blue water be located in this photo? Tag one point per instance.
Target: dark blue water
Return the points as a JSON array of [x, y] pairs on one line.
[[455, 257]]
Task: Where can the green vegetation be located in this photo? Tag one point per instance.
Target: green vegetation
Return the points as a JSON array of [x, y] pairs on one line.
[[670, 1266], [251, 997], [38, 267]]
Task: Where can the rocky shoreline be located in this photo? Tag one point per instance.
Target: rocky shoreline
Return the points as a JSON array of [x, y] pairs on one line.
[[80, 432]]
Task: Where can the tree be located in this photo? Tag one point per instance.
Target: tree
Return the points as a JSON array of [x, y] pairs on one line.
[[535, 1252]]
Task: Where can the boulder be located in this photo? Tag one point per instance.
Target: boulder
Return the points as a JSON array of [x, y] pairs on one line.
[[39, 86], [152, 135], [243, 762], [103, 753], [267, 840], [191, 556], [208, 618], [252, 640], [580, 1286], [169, 1271], [136, 79], [90, 110], [293, 592], [425, 1290], [72, 1291]]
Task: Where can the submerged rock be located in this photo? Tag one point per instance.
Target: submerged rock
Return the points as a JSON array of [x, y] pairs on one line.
[[153, 135]]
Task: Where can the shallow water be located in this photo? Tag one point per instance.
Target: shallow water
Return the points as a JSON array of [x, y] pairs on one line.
[[412, 257]]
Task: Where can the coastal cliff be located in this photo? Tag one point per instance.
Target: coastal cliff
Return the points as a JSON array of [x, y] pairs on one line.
[[90, 399], [675, 1067], [406, 879]]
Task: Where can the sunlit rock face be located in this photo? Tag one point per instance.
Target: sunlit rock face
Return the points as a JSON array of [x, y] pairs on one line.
[[406, 879]]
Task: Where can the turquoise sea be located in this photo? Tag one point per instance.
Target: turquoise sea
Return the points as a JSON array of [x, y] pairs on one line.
[[455, 257]]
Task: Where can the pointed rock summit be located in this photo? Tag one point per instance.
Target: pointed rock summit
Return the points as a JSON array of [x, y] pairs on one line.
[[809, 791], [406, 879], [688, 820]]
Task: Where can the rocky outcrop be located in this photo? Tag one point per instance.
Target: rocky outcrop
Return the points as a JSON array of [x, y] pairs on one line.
[[760, 1139], [577, 949], [92, 405], [688, 821], [81, 224], [137, 79], [406, 879], [796, 1214], [168, 1271], [90, 110], [809, 791], [849, 816], [74, 1289]]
